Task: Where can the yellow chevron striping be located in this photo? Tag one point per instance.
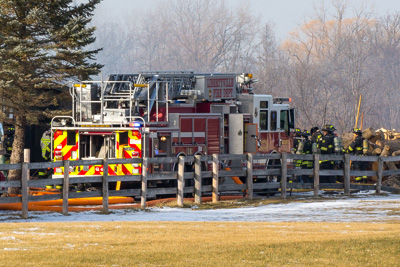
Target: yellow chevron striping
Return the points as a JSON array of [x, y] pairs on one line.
[[60, 139]]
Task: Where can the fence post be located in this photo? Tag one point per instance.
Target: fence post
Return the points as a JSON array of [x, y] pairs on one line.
[[24, 184], [283, 175], [215, 178], [316, 174], [65, 188], [346, 178], [380, 174], [105, 186], [24, 190], [197, 179], [249, 181], [181, 180], [144, 183]]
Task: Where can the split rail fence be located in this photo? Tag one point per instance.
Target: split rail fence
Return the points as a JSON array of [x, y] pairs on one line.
[[251, 166]]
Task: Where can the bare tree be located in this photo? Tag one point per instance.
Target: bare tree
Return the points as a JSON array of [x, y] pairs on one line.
[[198, 35], [269, 64], [336, 52], [386, 65]]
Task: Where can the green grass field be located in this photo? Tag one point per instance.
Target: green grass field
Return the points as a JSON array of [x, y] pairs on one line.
[[199, 244]]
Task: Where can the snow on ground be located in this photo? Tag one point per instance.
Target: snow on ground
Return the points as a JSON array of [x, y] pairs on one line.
[[361, 207]]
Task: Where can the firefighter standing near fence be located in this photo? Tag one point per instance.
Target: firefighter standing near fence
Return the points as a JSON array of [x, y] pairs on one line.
[[8, 142], [298, 145], [307, 150], [326, 146], [356, 148], [45, 146]]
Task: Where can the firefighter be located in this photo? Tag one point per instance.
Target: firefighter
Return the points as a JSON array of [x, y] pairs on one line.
[[326, 145], [298, 145], [296, 139], [8, 142], [316, 134], [307, 150], [356, 148], [45, 145]]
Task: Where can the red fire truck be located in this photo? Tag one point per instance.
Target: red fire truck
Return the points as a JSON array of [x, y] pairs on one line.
[[168, 114]]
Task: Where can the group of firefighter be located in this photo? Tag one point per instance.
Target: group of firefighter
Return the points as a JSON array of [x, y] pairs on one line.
[[326, 142]]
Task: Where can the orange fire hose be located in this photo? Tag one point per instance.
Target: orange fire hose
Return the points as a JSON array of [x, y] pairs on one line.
[[37, 206], [234, 178]]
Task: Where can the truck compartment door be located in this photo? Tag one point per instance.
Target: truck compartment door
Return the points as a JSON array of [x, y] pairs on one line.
[[251, 138], [236, 134]]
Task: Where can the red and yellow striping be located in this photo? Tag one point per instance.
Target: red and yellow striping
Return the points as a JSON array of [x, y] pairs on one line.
[[133, 149]]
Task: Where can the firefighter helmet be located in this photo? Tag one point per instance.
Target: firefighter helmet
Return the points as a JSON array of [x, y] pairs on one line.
[[328, 128], [10, 130], [357, 131], [306, 133], [297, 131], [314, 129]]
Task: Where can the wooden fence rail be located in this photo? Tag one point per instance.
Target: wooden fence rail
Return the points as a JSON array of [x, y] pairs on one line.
[[247, 168]]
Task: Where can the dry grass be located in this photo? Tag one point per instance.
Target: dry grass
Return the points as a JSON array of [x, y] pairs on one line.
[[199, 244]]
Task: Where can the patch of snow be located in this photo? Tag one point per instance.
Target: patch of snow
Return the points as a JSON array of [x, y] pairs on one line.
[[361, 207]]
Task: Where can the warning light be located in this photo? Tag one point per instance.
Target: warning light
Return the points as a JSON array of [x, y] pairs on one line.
[[135, 133], [135, 124]]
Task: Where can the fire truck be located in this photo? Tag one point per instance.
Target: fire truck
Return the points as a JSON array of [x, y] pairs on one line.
[[167, 114]]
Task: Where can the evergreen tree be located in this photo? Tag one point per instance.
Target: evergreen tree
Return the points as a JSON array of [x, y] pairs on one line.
[[41, 47]]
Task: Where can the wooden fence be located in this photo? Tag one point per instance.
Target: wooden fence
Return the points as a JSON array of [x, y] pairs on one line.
[[249, 166]]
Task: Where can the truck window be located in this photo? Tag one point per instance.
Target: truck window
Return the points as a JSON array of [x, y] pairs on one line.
[[123, 138], [284, 120], [292, 118], [264, 120], [263, 104], [71, 138], [273, 120], [97, 146]]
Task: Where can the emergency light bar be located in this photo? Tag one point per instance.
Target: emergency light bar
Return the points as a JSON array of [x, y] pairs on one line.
[[135, 124], [280, 100]]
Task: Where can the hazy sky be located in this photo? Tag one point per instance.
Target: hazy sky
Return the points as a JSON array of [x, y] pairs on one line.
[[286, 15]]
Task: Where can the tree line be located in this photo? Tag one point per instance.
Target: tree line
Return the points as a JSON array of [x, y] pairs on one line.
[[324, 65]]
